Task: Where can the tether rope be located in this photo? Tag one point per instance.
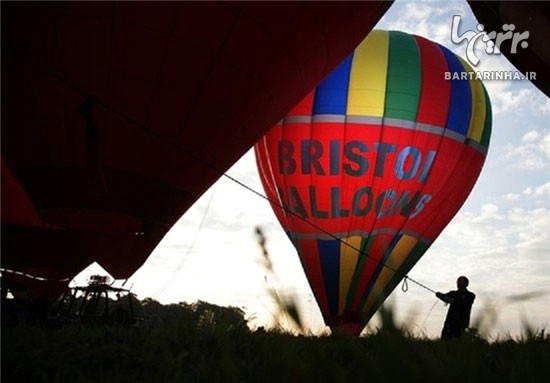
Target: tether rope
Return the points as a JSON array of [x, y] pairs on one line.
[[26, 275], [405, 277], [170, 280]]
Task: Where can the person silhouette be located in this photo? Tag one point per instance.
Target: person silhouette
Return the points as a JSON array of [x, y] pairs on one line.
[[458, 315]]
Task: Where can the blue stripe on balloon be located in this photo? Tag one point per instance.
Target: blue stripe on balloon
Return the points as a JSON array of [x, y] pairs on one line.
[[331, 96], [329, 256], [460, 108]]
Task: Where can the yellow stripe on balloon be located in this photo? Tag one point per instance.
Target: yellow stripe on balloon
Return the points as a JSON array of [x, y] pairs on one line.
[[394, 262], [477, 120], [349, 256], [368, 77]]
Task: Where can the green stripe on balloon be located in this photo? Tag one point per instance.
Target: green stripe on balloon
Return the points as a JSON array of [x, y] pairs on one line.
[[404, 77]]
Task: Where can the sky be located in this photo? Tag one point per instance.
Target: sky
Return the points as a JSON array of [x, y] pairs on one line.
[[500, 238]]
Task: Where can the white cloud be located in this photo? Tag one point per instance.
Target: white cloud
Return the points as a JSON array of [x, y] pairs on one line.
[[527, 159], [532, 154], [431, 20], [531, 136], [532, 237], [489, 212], [417, 11], [518, 233], [511, 197], [544, 145], [509, 100], [542, 191]]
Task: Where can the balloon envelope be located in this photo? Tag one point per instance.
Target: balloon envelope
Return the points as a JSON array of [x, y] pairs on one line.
[[117, 116], [367, 170]]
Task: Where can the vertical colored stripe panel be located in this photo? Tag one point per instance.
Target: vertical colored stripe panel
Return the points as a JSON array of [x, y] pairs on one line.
[[349, 257], [435, 89], [478, 116], [477, 120], [373, 287], [355, 291], [329, 256], [331, 96], [367, 89], [396, 258], [268, 180], [373, 261], [309, 255], [460, 108], [404, 77]]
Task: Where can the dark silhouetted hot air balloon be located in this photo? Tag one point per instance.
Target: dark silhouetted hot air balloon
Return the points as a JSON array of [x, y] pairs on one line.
[[117, 116], [526, 16], [366, 171]]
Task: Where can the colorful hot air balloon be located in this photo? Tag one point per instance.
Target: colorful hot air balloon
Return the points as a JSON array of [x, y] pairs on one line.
[[367, 170]]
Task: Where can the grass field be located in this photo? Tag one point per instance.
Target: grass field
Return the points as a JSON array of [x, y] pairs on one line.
[[205, 343]]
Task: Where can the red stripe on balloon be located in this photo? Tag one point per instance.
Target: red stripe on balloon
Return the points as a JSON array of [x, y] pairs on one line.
[[435, 89]]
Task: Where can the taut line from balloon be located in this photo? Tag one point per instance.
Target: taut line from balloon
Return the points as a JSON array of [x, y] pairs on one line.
[[170, 280], [26, 275], [405, 277]]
